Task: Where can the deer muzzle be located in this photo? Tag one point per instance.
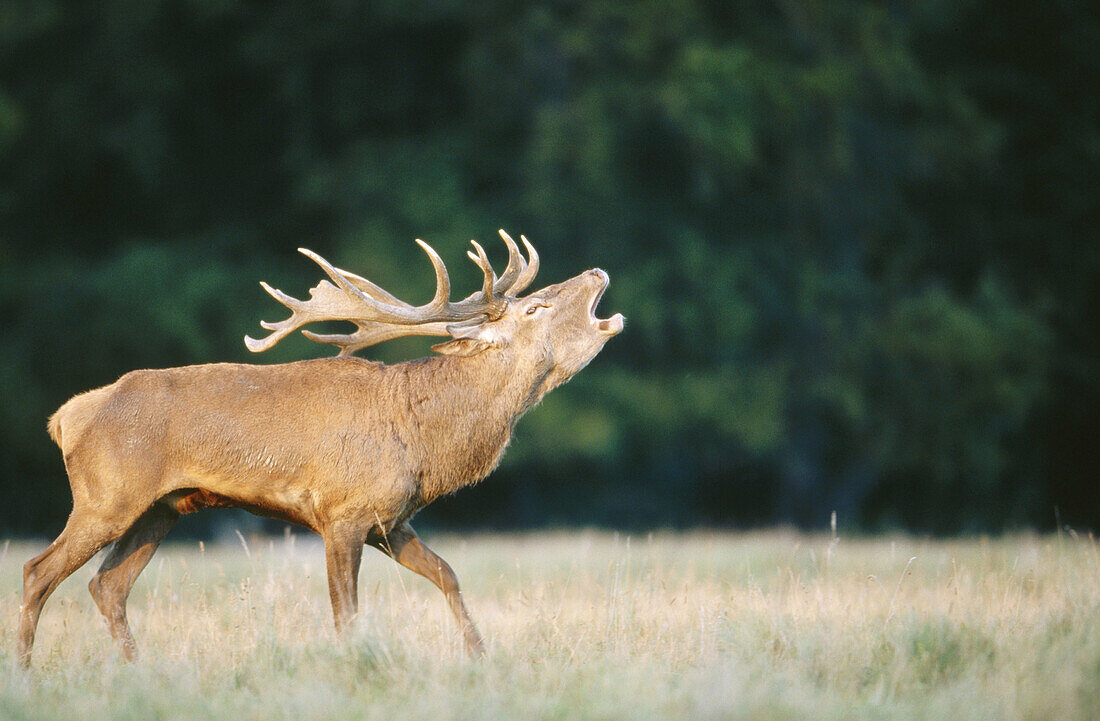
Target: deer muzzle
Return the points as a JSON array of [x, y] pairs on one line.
[[608, 326]]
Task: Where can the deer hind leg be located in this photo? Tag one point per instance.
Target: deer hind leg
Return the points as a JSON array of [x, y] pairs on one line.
[[111, 585], [343, 554], [85, 533], [404, 546]]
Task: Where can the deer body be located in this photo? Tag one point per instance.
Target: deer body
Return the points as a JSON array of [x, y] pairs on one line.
[[301, 440], [345, 447]]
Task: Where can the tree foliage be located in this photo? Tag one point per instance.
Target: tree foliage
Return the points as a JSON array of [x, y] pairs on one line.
[[854, 242]]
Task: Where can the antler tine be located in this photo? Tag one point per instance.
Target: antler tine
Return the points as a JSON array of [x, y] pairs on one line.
[[379, 311], [516, 265], [482, 261], [338, 278], [325, 303], [442, 280], [281, 329], [527, 275], [374, 291]]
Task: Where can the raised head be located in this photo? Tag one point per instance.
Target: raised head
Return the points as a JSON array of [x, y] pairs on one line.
[[555, 326]]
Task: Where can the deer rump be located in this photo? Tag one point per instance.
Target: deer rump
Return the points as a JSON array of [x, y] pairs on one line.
[[346, 447]]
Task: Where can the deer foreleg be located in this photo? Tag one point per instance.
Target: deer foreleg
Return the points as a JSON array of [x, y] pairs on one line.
[[343, 552]]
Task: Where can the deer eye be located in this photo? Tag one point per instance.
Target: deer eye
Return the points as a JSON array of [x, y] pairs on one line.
[[535, 308]]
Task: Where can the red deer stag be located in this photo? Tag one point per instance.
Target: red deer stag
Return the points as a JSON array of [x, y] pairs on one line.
[[345, 447]]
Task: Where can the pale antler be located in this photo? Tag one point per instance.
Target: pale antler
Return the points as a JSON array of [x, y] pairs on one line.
[[381, 316]]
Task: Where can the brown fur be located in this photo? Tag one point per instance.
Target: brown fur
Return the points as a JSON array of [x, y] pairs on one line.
[[348, 448]]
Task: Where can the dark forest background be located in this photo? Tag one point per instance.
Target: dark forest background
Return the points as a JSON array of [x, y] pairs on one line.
[[855, 242]]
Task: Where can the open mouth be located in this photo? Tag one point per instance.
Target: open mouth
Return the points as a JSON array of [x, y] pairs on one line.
[[611, 325]]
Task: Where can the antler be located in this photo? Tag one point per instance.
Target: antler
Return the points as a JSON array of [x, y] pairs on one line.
[[381, 316]]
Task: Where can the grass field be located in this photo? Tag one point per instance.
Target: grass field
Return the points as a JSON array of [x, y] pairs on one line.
[[585, 625]]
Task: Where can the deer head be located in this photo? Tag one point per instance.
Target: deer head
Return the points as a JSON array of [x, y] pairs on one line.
[[554, 328]]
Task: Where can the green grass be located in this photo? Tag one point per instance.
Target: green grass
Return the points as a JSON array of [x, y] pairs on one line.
[[585, 625]]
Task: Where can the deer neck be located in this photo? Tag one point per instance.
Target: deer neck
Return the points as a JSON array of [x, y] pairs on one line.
[[467, 415]]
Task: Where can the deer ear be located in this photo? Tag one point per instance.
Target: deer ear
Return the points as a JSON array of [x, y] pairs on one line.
[[463, 346], [470, 339]]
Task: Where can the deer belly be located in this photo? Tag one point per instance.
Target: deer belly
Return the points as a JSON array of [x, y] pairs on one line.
[[197, 500], [190, 501]]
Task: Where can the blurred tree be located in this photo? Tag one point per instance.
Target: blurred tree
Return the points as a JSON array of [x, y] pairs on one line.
[[852, 239]]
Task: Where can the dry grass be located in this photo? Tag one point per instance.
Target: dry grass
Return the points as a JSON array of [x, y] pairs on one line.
[[586, 625]]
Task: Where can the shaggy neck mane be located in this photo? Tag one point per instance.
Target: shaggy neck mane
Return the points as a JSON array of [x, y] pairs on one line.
[[466, 409]]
